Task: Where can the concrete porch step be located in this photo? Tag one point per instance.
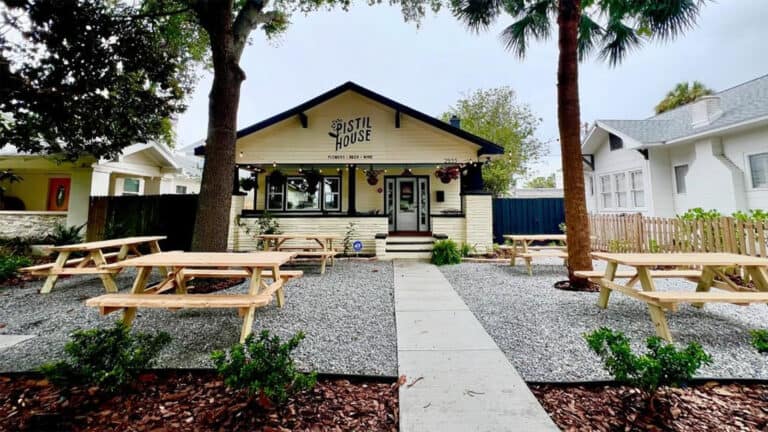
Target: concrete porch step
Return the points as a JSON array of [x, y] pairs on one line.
[[408, 255]]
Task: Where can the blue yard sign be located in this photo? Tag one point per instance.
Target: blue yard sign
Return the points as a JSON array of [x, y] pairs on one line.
[[357, 245]]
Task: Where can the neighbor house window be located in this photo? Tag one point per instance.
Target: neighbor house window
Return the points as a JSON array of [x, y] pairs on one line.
[[275, 196], [615, 142], [181, 190], [620, 185], [681, 172], [758, 168], [636, 185], [131, 186], [332, 193], [605, 191], [590, 185]]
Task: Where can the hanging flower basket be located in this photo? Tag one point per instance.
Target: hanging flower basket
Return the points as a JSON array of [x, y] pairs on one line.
[[312, 177], [276, 178], [372, 176], [448, 173], [247, 183]]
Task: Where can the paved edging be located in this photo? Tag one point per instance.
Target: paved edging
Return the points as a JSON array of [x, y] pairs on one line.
[[457, 378]]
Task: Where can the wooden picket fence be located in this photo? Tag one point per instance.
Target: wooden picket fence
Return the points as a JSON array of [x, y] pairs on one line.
[[637, 233]]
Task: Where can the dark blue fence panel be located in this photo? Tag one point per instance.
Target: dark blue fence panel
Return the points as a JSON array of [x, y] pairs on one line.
[[526, 216]]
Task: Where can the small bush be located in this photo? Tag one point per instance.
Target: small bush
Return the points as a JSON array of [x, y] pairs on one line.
[[16, 246], [10, 264], [467, 249], [64, 235], [445, 252], [699, 213], [662, 365], [108, 358], [760, 340], [264, 367], [349, 237]]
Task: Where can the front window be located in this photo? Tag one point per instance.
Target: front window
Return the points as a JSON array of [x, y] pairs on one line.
[[620, 184], [636, 182], [300, 195], [681, 172], [131, 186], [605, 191], [758, 168]]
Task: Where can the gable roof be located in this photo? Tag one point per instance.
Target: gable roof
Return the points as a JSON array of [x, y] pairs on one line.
[[744, 103], [486, 147]]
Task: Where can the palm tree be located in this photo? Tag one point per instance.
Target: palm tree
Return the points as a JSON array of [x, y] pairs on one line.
[[610, 28], [682, 94]]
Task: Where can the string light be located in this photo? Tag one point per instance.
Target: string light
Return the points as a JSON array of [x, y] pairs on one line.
[[274, 164]]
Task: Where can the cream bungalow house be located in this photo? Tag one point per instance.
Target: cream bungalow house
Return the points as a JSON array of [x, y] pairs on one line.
[[712, 153], [55, 192], [353, 156]]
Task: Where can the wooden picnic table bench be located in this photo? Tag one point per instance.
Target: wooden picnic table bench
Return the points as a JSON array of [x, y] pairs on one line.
[[712, 266], [257, 266], [320, 246], [522, 247], [93, 261]]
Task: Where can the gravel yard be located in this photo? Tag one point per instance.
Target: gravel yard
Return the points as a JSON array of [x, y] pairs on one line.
[[347, 315], [540, 328]]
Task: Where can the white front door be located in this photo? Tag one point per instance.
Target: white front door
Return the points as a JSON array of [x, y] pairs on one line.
[[406, 204]]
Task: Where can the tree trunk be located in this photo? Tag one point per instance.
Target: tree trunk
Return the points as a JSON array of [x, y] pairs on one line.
[[215, 198], [569, 122]]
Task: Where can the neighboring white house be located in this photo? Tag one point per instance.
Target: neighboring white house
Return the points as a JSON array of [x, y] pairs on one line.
[[711, 153], [54, 191]]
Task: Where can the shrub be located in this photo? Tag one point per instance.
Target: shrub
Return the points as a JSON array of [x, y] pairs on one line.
[[16, 246], [619, 246], [63, 235], [445, 252], [662, 365], [699, 213], [10, 264], [264, 367], [467, 249], [109, 358], [760, 340], [756, 215]]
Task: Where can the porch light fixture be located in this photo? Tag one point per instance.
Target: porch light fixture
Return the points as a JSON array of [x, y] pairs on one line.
[[241, 154], [274, 164]]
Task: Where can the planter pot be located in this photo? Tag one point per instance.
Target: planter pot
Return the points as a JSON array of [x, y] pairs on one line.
[[41, 249]]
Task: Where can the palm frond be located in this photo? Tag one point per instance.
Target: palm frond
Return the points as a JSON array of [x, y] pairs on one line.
[[534, 23], [477, 15], [666, 19], [589, 32], [618, 40]]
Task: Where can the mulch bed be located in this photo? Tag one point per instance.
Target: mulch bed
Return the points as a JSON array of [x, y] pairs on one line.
[[194, 401], [708, 406]]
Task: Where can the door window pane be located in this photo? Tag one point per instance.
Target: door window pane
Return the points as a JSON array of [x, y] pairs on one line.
[[274, 196], [332, 193], [758, 168], [681, 171], [300, 196]]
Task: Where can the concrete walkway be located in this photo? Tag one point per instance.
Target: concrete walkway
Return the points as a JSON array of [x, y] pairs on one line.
[[457, 378]]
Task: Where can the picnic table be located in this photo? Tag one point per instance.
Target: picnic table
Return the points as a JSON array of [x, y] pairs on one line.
[[712, 268], [183, 266], [522, 247], [322, 250], [96, 255]]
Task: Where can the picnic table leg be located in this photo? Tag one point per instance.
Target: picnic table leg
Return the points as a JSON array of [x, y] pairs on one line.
[[181, 284], [280, 294], [50, 281], [657, 313], [253, 289], [705, 283], [139, 285], [605, 292], [759, 276], [98, 260], [322, 264]]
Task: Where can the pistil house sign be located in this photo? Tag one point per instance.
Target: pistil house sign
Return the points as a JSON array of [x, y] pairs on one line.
[[347, 133]]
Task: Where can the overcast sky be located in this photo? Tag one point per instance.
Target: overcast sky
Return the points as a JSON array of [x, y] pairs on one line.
[[429, 68]]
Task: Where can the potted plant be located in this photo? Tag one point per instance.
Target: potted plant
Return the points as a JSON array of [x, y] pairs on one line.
[[372, 176], [248, 183]]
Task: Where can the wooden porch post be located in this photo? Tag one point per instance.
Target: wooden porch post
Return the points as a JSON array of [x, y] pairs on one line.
[[352, 205]]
